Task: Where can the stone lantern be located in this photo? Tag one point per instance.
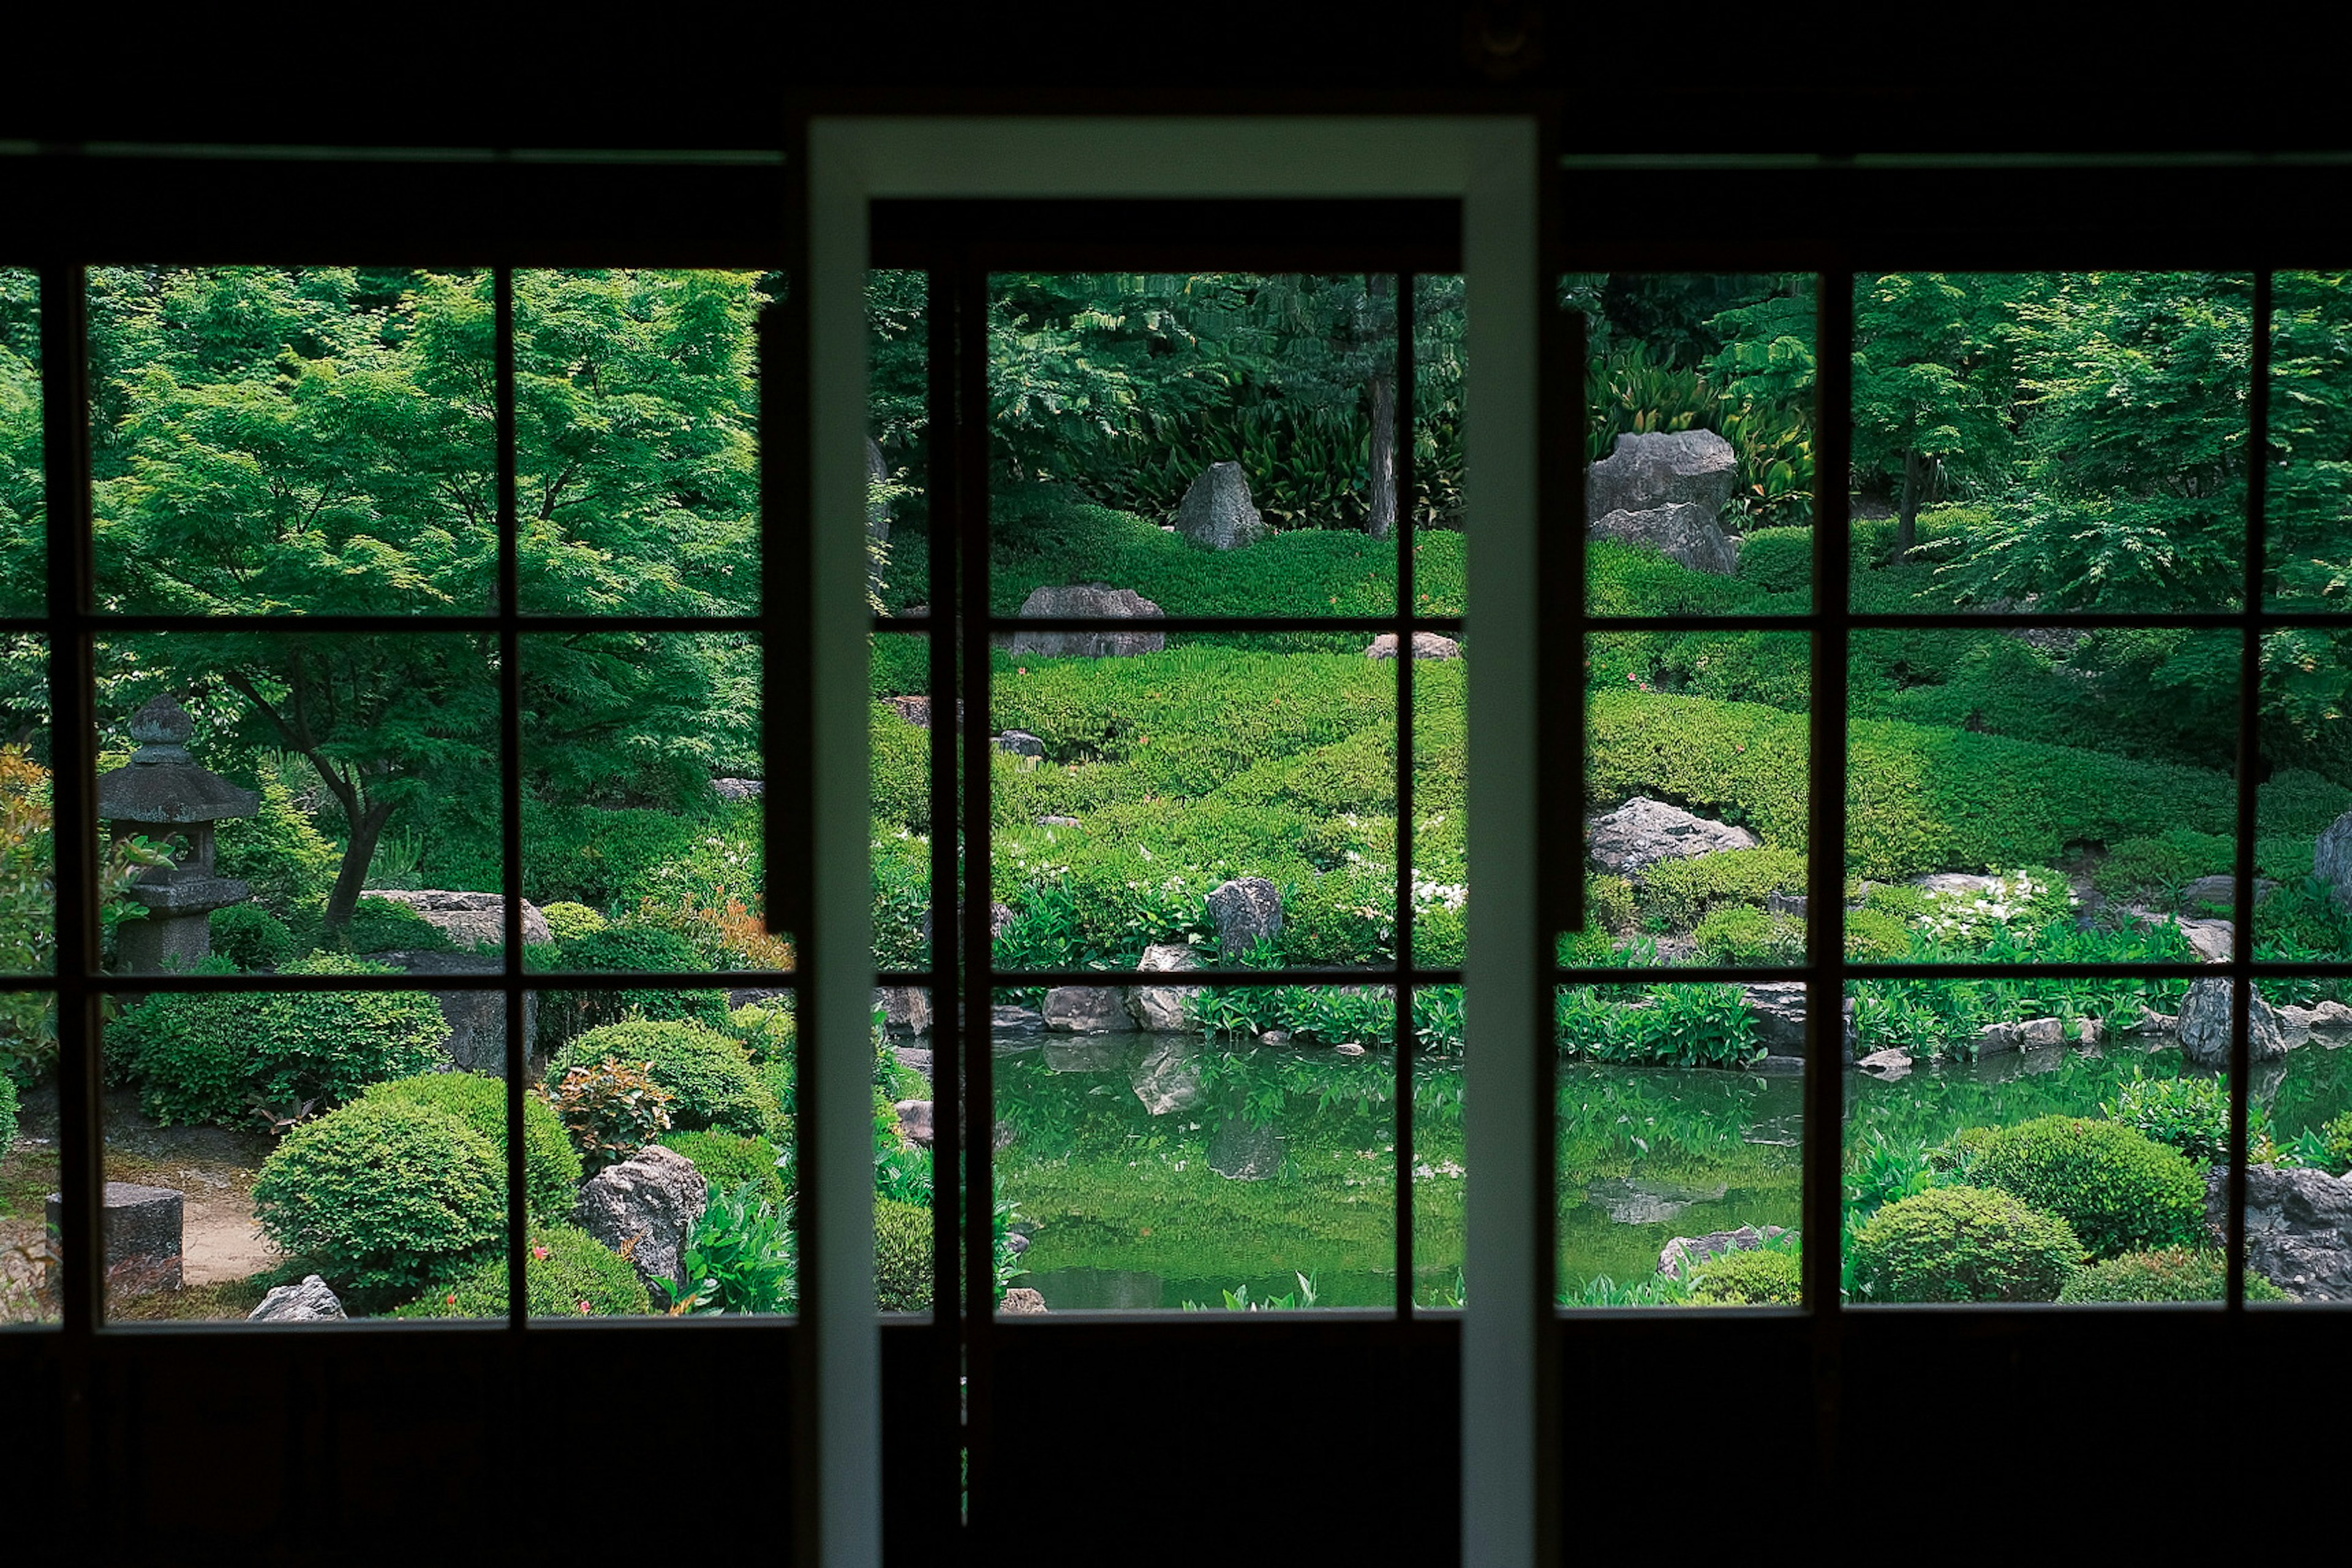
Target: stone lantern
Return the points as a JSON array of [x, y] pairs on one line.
[[163, 791]]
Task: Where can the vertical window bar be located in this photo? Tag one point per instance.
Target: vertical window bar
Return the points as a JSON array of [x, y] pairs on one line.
[[1403, 479], [64, 431], [2249, 740], [510, 797], [1825, 867]]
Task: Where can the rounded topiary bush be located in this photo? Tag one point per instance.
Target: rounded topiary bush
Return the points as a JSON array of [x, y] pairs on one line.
[[571, 1274], [383, 1195], [712, 1077], [2175, 1274], [387, 925], [1759, 1277], [902, 1257], [728, 1159], [766, 1032], [202, 1058], [1963, 1244], [251, 937], [551, 1166], [2120, 1190], [571, 923]]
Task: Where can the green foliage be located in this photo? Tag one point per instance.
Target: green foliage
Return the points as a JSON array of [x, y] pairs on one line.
[[569, 923], [1682, 892], [569, 1274], [1962, 1243], [251, 937], [2120, 1190], [1738, 933], [551, 1171], [730, 1161], [281, 852], [2152, 870], [740, 1258], [2175, 1274], [710, 1076], [766, 1032], [384, 1194], [1608, 902], [1677, 1026], [1875, 936], [382, 925], [1763, 1277], [902, 1257], [204, 1058], [2190, 1114], [8, 1109], [622, 949], [2338, 1136], [611, 1110], [1778, 560]]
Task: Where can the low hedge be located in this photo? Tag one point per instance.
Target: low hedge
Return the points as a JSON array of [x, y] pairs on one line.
[[902, 1257], [712, 1076], [1681, 893], [2175, 1274], [551, 1171], [2120, 1190], [728, 1159], [1962, 1243], [1761, 1277], [569, 1274]]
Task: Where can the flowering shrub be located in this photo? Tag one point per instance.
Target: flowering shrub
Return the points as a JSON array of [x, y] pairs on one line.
[[2017, 904], [612, 1110]]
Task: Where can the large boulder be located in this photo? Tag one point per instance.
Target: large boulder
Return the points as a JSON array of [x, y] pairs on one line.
[[1677, 467], [1247, 910], [471, 920], [1094, 601], [1086, 1010], [1161, 1007], [1642, 832], [311, 1301], [1685, 1253], [645, 1209], [2204, 1027], [1685, 534], [904, 1009], [1216, 513], [1776, 1017], [2298, 1228], [2331, 859]]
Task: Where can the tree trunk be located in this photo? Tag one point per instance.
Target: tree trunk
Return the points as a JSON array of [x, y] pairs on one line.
[[367, 827], [1906, 520], [1383, 446]]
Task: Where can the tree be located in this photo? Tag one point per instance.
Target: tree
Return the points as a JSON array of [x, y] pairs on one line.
[[1924, 385]]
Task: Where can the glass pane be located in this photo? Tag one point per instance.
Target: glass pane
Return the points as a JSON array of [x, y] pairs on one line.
[[2305, 498], [2032, 1142], [1246, 1156], [900, 761], [642, 801], [23, 510], [898, 518], [309, 1156], [1438, 1165], [2050, 441], [1698, 440], [1222, 804], [1440, 517], [28, 943], [1441, 857], [1681, 1127], [28, 1158], [2303, 844], [307, 439], [636, 441], [1207, 445], [906, 1113], [2051, 793], [1696, 773], [2299, 1175]]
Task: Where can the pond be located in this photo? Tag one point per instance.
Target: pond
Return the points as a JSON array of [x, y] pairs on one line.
[[1153, 1171]]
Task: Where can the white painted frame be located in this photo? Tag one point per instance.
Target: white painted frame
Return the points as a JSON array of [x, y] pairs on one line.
[[1491, 165]]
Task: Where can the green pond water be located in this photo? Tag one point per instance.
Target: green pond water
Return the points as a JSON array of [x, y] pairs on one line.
[[1151, 1170]]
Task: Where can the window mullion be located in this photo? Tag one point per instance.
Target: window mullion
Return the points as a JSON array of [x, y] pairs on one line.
[[511, 794], [2249, 740], [1402, 530]]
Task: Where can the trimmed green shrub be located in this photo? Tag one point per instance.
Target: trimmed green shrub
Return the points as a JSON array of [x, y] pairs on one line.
[[384, 1194], [1959, 1151], [729, 1160], [1738, 933], [623, 950], [569, 923], [1875, 936], [764, 1030], [570, 1274], [1962, 1243], [2120, 1190], [1765, 1276], [551, 1167], [204, 1058], [712, 1076], [382, 925], [1608, 902], [902, 1257], [900, 771], [251, 937], [1778, 560], [2175, 1274], [1681, 893], [2190, 1114]]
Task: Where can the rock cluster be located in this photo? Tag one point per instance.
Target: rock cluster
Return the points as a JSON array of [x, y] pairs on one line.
[[1664, 490]]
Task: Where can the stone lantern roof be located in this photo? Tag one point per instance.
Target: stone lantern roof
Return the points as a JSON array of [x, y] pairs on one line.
[[162, 784]]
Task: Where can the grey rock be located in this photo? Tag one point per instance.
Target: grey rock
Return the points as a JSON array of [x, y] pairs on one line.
[[1647, 470], [1244, 1151], [140, 1231], [999, 917], [1216, 513], [904, 1009], [916, 710], [1084, 1052], [1059, 822], [2208, 939], [1425, 644], [1167, 1078], [1161, 1006], [915, 1123], [1956, 884], [311, 1301], [1246, 912], [2028, 1034], [1089, 599], [2331, 858], [1009, 1020], [477, 1020], [2204, 1027], [471, 920], [1021, 1302], [1684, 1254], [737, 789], [1642, 832], [1890, 1064], [1638, 1202], [1686, 534], [645, 1208], [2330, 1016], [2219, 894], [1086, 1010], [1020, 744], [1776, 1015], [2298, 1228]]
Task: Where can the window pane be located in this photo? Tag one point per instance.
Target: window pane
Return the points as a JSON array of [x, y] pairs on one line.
[[906, 1113], [1681, 1134], [1696, 774], [2051, 441], [2302, 848], [1222, 803], [2308, 493], [1698, 440], [900, 761], [1439, 1168], [28, 943], [1246, 1155], [898, 455], [23, 510], [1441, 516], [308, 440], [2299, 1175], [2051, 793], [2028, 1143], [28, 1158], [1211, 445]]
